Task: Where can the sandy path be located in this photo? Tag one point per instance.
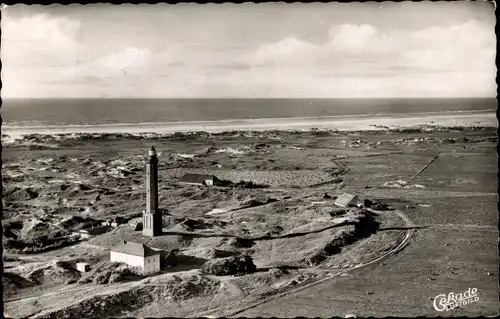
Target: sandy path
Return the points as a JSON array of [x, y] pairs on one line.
[[443, 257], [343, 123], [80, 292], [333, 273], [395, 250]]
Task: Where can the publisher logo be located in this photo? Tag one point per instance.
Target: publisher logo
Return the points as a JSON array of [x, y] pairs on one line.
[[452, 301]]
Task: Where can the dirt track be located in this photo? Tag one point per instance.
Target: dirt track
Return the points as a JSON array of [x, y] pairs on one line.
[[332, 274], [454, 234], [463, 255]]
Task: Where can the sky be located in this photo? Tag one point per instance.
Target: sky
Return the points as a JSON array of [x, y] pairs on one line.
[[271, 50]]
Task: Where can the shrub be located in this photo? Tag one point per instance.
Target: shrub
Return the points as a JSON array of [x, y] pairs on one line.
[[229, 266]]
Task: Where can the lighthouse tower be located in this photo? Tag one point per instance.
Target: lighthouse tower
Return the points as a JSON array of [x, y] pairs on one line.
[[151, 219]]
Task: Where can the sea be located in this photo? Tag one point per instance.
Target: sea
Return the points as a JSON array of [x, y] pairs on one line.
[[60, 112]]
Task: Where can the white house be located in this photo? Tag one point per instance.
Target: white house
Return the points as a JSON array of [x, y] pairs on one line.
[[82, 267], [138, 256], [345, 199]]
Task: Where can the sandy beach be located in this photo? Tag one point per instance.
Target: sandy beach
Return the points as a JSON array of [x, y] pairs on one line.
[[341, 123]]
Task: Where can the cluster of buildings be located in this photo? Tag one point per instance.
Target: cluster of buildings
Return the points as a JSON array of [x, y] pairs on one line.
[[102, 228], [138, 256]]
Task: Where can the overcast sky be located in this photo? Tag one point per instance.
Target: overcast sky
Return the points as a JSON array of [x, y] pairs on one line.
[[407, 49]]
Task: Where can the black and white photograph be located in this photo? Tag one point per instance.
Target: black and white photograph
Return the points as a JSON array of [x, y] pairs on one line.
[[249, 160]]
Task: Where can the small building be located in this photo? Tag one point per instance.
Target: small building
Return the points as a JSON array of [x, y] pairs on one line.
[[114, 222], [106, 223], [345, 200], [82, 267], [139, 257], [94, 231], [199, 179]]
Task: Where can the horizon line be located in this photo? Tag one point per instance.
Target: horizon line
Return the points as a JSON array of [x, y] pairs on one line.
[[247, 98]]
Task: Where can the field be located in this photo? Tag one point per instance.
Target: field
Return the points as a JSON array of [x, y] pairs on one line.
[[312, 258]]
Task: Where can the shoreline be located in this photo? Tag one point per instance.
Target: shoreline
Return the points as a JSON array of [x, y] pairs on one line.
[[341, 123]]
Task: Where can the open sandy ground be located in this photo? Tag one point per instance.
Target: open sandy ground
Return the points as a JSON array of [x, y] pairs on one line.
[[343, 123], [441, 182]]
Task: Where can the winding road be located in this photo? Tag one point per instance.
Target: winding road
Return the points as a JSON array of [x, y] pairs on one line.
[[213, 313]]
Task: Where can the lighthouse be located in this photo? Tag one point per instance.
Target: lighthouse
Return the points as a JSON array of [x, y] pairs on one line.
[[151, 220]]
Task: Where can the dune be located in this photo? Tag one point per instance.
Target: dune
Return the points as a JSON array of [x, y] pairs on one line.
[[292, 224], [342, 123]]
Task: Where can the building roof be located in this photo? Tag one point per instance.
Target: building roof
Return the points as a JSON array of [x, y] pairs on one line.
[[345, 199], [136, 249], [94, 230], [196, 178]]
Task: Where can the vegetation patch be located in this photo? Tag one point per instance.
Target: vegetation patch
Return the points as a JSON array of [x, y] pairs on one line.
[[107, 272], [229, 266]]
